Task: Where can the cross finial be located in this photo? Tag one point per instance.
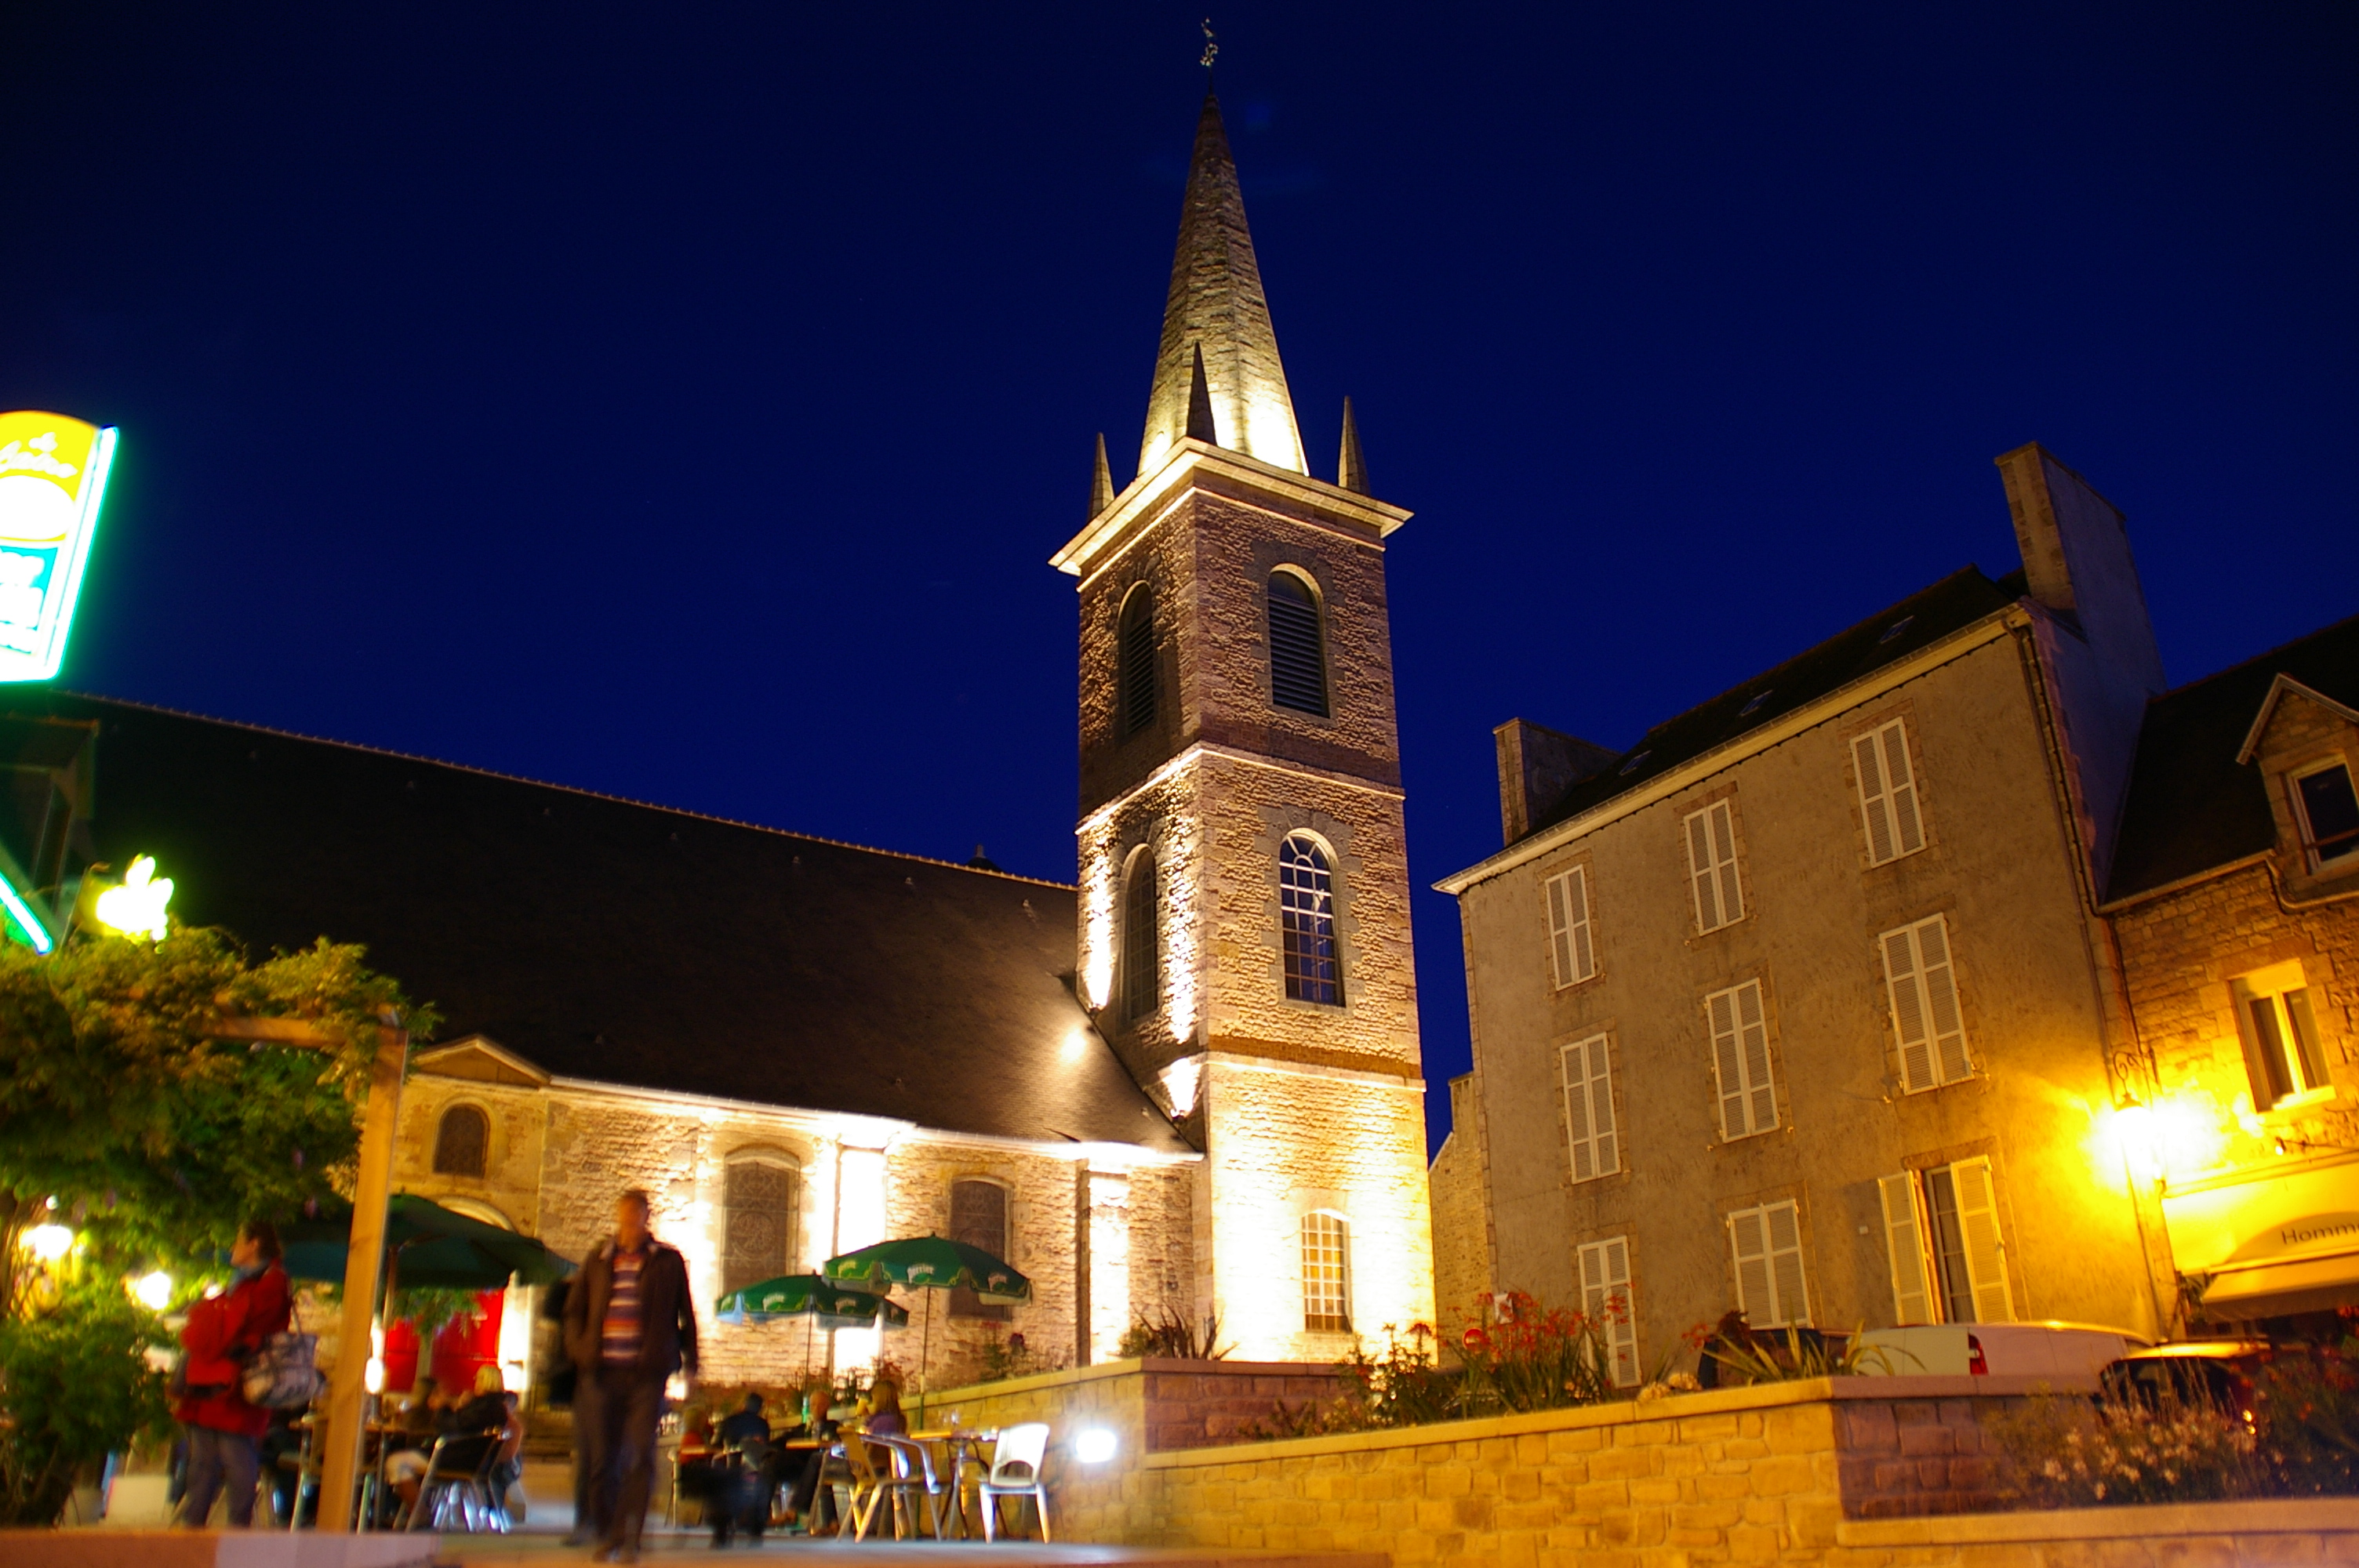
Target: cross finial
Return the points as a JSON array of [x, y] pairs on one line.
[[1211, 46]]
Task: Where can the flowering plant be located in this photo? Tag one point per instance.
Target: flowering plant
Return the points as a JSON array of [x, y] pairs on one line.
[[2071, 1453]]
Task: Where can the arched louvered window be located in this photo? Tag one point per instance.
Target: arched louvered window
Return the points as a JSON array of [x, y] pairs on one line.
[[463, 1142], [760, 1194], [1136, 660], [1298, 656], [1142, 938], [979, 1218], [1306, 917]]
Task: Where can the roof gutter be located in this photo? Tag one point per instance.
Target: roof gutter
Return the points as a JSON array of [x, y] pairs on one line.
[[1976, 635]]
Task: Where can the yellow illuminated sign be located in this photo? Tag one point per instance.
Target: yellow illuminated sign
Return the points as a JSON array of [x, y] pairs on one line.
[[52, 481]]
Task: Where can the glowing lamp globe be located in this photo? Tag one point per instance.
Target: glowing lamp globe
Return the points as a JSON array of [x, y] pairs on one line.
[[137, 908]]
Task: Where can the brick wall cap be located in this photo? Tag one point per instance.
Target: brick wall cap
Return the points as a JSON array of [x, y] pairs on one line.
[[2268, 1515]]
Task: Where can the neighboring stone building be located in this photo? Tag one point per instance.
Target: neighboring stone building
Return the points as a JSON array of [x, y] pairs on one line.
[[1802, 1004], [2235, 898], [1190, 1086]]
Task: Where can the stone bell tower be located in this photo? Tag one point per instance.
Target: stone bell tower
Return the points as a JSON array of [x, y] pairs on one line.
[[1244, 938]]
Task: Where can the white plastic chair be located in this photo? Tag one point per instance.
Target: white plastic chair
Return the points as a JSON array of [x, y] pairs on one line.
[[1016, 1472]]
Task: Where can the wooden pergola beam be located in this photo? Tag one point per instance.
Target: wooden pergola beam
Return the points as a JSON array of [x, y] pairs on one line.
[[365, 1256]]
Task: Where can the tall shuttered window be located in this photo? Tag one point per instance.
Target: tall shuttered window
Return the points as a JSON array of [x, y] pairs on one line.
[[1740, 1060], [1767, 1244], [1326, 1273], [2329, 810], [1298, 656], [1571, 955], [979, 1218], [1606, 1301], [1588, 1081], [1941, 1234], [1921, 977], [1888, 794], [1142, 938], [463, 1142], [1136, 660], [759, 1196], [1306, 916], [1710, 836]]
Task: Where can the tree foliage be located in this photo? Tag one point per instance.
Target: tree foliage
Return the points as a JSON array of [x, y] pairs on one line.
[[75, 1386], [155, 1139]]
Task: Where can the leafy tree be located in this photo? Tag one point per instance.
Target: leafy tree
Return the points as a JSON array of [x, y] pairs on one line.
[[75, 1386], [155, 1139]]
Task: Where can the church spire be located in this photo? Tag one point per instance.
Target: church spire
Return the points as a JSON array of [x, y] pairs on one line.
[[1100, 482], [1217, 316], [1351, 469]]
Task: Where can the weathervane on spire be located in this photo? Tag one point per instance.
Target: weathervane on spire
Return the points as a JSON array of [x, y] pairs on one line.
[[1211, 46]]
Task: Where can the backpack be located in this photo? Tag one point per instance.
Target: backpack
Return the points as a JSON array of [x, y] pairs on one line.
[[284, 1375]]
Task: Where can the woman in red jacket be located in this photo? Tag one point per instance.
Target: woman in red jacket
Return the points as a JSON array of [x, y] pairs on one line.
[[221, 1336]]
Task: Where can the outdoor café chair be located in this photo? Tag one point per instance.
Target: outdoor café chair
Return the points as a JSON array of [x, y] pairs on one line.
[[916, 1463], [458, 1485], [1016, 1472], [891, 1486]]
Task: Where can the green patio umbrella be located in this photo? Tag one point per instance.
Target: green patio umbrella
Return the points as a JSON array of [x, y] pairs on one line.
[[430, 1246], [821, 1304], [932, 1263]]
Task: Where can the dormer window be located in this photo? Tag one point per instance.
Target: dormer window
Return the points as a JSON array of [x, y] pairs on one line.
[[2328, 814]]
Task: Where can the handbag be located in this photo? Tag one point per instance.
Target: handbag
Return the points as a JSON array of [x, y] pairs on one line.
[[284, 1374]]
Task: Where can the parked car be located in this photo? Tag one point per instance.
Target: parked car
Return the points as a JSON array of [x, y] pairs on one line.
[[2069, 1355], [2197, 1371]]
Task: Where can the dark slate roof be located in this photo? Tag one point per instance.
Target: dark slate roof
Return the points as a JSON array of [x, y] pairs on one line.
[[1958, 601], [2191, 805], [605, 939]]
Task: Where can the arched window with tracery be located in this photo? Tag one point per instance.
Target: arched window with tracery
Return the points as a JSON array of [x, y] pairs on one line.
[[760, 1191], [1306, 918], [1135, 660], [463, 1142], [1297, 652], [1142, 938]]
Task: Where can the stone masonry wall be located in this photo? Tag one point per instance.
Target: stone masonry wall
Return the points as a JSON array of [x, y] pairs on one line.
[[1462, 1254]]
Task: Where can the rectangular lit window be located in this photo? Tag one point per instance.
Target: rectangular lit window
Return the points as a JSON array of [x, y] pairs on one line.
[[1710, 836], [1767, 1244], [1571, 955], [1888, 794], [1941, 1235], [2274, 1015], [1589, 1109], [1740, 1060], [2329, 812], [1326, 1273], [1921, 976], [1606, 1301]]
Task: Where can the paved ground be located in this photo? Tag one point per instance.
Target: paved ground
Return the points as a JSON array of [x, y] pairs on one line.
[[534, 1550]]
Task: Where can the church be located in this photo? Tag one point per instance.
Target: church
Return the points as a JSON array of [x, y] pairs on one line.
[[1189, 1084]]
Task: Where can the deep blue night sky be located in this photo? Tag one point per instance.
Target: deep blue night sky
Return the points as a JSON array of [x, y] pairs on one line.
[[682, 402]]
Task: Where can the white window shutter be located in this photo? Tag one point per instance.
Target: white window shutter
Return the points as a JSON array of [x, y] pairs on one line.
[[1559, 933], [1576, 899], [1985, 1256], [1728, 1064], [1901, 782], [1605, 1300], [1749, 1239], [1908, 1022], [1941, 999], [1600, 1109], [1724, 849], [1703, 872], [1576, 1112], [1752, 1030], [1904, 1239], [1874, 804], [1784, 1223]]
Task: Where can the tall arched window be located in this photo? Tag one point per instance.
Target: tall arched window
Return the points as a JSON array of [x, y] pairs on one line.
[[463, 1142], [1326, 1273], [1298, 660], [1306, 919], [1142, 938], [1135, 660], [761, 1190], [979, 1218]]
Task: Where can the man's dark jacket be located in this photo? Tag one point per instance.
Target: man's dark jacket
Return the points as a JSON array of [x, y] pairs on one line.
[[667, 1312]]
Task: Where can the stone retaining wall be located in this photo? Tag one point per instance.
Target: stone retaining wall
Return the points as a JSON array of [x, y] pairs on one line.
[[1849, 1472]]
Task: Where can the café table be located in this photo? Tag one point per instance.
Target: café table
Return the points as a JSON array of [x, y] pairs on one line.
[[967, 1452]]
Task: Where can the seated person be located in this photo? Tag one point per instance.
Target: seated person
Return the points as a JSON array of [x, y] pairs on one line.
[[884, 1408], [405, 1457], [818, 1425], [493, 1409], [745, 1475]]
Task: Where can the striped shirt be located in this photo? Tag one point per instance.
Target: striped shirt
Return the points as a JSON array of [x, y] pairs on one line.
[[618, 1335]]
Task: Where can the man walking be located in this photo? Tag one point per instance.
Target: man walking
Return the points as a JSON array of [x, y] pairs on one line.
[[629, 1325]]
